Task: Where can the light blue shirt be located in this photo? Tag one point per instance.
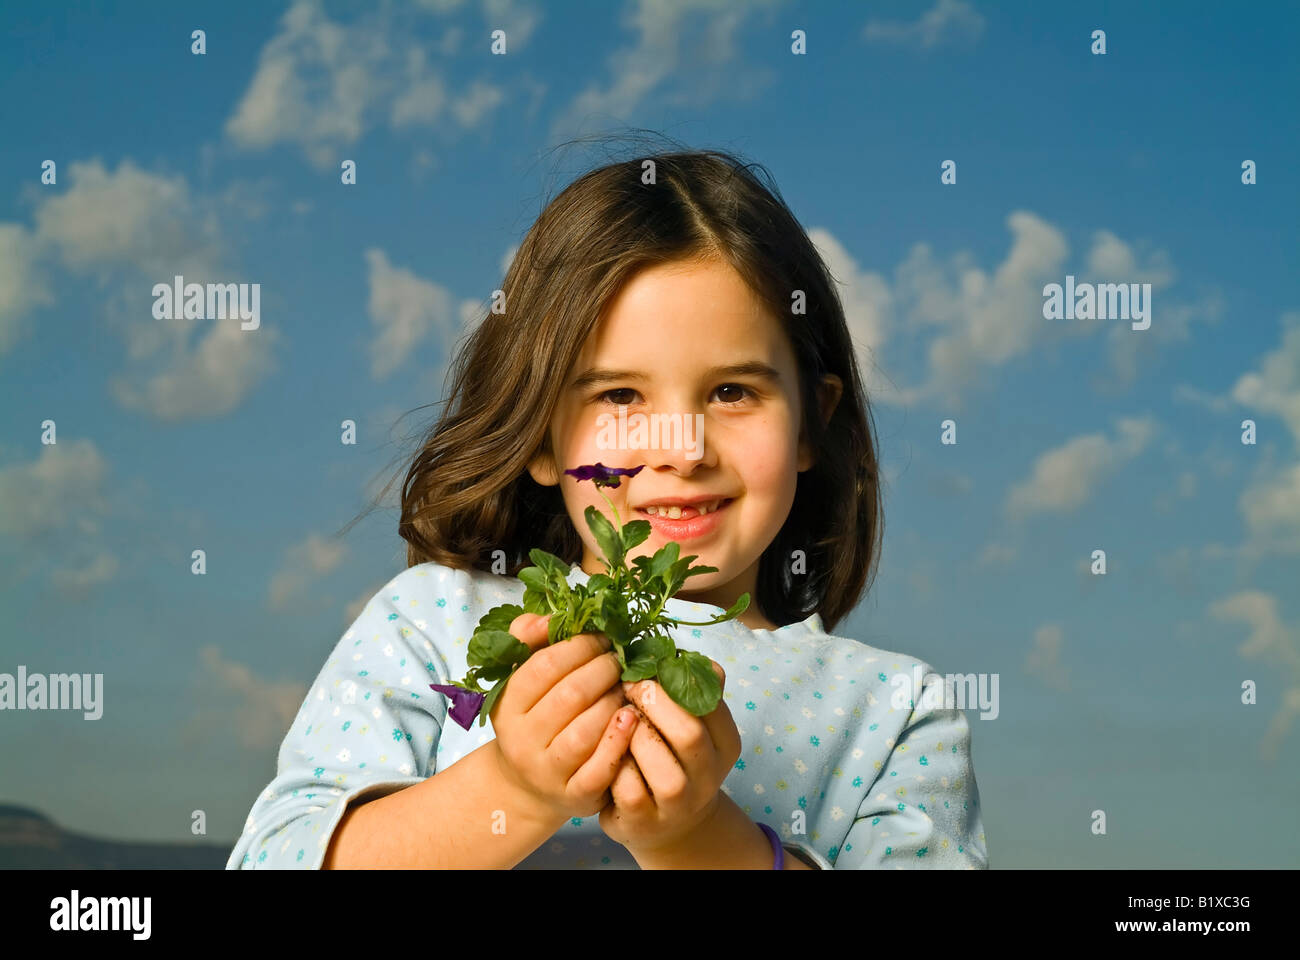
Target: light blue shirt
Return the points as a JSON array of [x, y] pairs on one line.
[[827, 760]]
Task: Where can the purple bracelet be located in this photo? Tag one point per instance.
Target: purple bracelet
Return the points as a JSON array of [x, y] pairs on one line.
[[776, 845]]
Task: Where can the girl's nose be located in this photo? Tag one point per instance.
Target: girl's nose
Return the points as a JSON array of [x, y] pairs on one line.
[[681, 443]]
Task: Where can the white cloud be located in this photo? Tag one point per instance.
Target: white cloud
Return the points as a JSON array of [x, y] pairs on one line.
[[949, 21], [406, 310], [1066, 477], [425, 95], [987, 320], [210, 380], [1272, 642], [996, 554], [128, 218], [54, 506], [1111, 260], [321, 84], [977, 321], [99, 570], [303, 563], [867, 304], [1270, 503], [481, 99], [1275, 387], [1044, 659], [314, 83], [132, 229], [517, 19], [689, 42], [21, 285], [266, 709], [508, 258], [1189, 394], [1271, 509], [353, 609], [61, 490]]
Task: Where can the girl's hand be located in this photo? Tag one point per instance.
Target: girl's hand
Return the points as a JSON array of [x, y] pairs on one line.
[[671, 787], [556, 721]]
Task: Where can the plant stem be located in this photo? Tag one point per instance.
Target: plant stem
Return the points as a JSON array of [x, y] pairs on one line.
[[617, 571]]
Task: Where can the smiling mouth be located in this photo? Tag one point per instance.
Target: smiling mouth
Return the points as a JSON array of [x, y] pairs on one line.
[[684, 513]]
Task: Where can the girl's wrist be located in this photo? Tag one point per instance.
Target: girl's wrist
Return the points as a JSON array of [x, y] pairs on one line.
[[522, 801]]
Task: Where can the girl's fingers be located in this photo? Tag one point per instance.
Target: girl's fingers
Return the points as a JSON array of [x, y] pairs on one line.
[[579, 739], [722, 725], [598, 772], [695, 741], [664, 777], [629, 790]]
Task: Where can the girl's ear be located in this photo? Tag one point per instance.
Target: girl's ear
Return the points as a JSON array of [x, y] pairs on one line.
[[828, 391], [543, 470]]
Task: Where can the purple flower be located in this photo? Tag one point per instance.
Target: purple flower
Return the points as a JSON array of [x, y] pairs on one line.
[[602, 475], [465, 704]]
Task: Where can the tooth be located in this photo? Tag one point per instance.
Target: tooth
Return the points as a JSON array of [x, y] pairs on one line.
[[675, 512]]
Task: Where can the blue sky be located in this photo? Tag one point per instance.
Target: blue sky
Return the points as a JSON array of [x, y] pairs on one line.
[[1119, 692]]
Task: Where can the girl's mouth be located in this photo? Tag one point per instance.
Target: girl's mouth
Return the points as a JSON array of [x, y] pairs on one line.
[[691, 524]]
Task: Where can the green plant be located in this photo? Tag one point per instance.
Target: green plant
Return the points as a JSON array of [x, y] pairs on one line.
[[626, 604]]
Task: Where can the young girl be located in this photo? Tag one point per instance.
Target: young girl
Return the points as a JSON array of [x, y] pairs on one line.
[[674, 284]]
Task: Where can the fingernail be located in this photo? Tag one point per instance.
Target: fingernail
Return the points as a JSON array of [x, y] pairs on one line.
[[626, 719]]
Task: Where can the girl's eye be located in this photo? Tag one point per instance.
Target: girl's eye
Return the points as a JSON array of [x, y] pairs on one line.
[[744, 392], [617, 403]]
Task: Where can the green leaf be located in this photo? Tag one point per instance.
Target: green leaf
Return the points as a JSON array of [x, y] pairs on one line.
[[643, 656], [611, 544], [691, 682], [695, 571], [587, 612], [534, 578], [739, 607], [613, 619], [491, 699], [494, 652], [599, 583], [634, 532], [500, 617], [639, 668], [535, 602], [548, 562], [664, 558], [556, 586], [653, 644], [556, 627], [676, 575]]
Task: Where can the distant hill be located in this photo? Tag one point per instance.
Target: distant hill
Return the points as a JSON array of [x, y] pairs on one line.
[[31, 841]]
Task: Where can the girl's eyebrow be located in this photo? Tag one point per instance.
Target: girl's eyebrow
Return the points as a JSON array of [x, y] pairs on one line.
[[747, 368]]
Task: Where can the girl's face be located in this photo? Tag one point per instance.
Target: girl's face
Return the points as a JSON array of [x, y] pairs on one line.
[[659, 351]]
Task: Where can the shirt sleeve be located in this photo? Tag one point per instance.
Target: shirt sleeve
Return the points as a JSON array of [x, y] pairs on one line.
[[369, 726], [922, 810]]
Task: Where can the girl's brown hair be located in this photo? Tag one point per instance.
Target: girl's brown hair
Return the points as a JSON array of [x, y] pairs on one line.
[[468, 494]]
